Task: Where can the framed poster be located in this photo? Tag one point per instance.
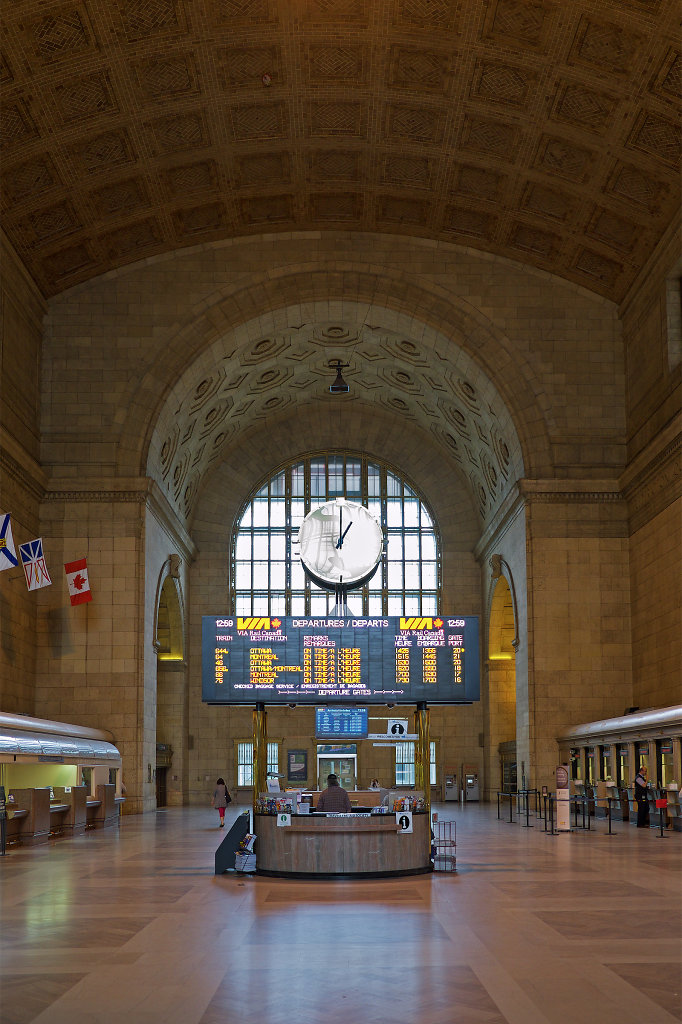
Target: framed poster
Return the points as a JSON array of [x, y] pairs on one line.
[[297, 765]]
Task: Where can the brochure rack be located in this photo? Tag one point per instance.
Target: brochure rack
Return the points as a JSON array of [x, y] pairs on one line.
[[445, 842]]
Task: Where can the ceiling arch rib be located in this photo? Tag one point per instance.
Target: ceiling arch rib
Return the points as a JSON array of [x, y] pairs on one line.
[[273, 378]]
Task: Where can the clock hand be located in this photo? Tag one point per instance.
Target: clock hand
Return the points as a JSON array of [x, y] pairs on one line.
[[343, 535], [340, 540]]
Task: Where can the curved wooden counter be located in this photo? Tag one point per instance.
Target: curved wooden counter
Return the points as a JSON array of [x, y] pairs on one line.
[[332, 847]]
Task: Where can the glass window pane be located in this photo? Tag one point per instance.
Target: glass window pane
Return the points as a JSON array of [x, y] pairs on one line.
[[375, 582], [394, 512], [273, 757], [393, 485], [242, 603], [298, 604], [242, 576], [411, 545], [429, 604], [395, 575], [246, 518], [297, 514], [318, 603], [428, 546], [243, 546], [412, 574], [277, 512], [395, 604], [411, 512], [373, 480], [395, 547], [374, 505], [260, 604], [353, 478], [263, 493], [375, 605], [413, 604], [277, 575], [278, 546], [278, 485], [336, 475], [298, 480], [260, 546], [277, 604], [298, 576], [426, 520], [260, 512], [429, 575], [318, 479]]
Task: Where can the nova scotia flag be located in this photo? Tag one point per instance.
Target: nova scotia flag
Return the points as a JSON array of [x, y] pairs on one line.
[[8, 554]]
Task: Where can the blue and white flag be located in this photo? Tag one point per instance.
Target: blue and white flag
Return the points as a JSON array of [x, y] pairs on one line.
[[33, 561], [8, 554]]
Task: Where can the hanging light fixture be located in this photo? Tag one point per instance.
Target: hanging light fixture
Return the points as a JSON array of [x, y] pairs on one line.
[[339, 387]]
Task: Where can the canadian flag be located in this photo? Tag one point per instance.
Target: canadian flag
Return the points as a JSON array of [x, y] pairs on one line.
[[77, 579]]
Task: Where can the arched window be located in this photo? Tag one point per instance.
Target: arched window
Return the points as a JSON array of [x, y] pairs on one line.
[[268, 579]]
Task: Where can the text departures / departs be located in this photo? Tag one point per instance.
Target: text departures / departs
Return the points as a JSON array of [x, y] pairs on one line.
[[305, 660]]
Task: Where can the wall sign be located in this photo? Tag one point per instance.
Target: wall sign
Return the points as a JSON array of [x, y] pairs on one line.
[[297, 765]]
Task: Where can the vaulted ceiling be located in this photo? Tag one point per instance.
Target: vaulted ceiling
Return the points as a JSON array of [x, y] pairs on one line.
[[542, 130]]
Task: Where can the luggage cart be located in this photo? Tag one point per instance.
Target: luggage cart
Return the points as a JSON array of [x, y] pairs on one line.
[[445, 842]]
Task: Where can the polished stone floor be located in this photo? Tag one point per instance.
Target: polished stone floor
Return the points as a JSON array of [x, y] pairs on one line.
[[131, 926]]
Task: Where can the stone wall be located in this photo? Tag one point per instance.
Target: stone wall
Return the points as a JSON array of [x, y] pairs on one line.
[[22, 481]]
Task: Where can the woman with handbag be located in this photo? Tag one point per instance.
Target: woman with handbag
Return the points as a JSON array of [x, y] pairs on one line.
[[221, 798]]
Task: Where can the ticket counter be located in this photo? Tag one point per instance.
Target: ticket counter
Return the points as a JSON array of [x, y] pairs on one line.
[[357, 845]]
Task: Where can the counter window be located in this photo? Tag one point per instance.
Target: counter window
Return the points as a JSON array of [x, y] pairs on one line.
[[589, 765], [623, 765], [664, 751]]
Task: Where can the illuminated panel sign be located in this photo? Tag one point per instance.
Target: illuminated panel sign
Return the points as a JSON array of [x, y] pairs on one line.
[[396, 660], [344, 722]]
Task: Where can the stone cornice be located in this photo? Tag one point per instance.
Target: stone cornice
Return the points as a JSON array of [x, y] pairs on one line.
[[527, 492], [139, 490]]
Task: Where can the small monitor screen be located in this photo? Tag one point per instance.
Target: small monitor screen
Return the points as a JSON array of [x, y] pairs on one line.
[[344, 722]]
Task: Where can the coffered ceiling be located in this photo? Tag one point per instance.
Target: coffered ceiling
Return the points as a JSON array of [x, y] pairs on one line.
[[547, 131]]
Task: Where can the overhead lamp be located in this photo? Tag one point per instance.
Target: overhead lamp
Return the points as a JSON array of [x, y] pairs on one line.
[[339, 386]]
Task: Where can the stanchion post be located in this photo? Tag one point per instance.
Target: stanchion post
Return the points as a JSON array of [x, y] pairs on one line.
[[661, 805], [511, 807], [498, 805]]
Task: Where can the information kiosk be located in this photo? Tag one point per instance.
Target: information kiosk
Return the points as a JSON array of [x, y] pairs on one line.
[[352, 662]]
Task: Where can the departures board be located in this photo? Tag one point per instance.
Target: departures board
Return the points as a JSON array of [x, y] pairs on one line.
[[290, 660]]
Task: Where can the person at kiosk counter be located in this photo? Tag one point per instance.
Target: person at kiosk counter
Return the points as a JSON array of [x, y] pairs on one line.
[[334, 797]]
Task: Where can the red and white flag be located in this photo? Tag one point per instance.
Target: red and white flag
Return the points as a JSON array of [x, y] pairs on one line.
[[77, 579]]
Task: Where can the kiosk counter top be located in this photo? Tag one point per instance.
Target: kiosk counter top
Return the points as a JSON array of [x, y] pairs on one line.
[[342, 845]]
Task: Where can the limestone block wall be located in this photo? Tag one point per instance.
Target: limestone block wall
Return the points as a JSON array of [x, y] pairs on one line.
[[555, 344], [579, 623], [22, 481]]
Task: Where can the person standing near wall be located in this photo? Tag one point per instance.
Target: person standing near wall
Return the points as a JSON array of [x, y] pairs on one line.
[[221, 798], [642, 798]]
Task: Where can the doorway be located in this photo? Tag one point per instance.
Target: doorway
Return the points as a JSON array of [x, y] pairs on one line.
[[343, 766]]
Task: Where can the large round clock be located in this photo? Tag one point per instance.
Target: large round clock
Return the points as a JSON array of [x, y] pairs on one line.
[[341, 544]]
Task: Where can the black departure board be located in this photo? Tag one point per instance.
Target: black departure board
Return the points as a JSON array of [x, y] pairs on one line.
[[290, 660]]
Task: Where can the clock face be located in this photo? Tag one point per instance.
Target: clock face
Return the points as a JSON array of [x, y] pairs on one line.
[[341, 544]]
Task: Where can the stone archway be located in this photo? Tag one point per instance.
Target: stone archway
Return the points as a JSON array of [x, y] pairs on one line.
[[501, 685], [171, 689]]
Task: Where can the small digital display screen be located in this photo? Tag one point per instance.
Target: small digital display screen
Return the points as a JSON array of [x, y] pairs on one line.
[[345, 661], [344, 722]]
